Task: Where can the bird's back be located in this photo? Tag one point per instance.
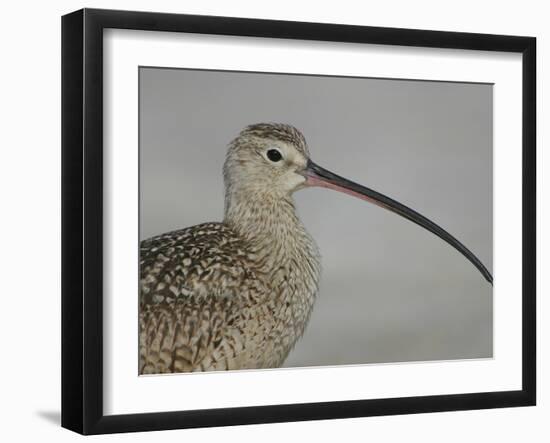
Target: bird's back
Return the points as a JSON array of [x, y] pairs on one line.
[[200, 302]]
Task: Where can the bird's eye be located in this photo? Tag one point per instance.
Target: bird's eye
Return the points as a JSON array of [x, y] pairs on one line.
[[274, 155]]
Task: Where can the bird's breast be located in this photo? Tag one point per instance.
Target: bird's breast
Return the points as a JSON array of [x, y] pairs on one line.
[[292, 267]]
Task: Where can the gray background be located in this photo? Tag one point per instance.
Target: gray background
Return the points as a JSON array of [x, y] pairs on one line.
[[390, 291]]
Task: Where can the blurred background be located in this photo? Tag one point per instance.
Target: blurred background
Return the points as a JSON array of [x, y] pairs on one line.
[[390, 291]]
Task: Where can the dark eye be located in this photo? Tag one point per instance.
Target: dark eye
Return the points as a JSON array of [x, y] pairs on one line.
[[274, 155]]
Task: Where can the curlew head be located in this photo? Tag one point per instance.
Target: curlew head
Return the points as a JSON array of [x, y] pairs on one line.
[[269, 161]]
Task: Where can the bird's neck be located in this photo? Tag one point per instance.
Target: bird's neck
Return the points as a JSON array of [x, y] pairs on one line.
[[273, 231], [266, 222], [270, 226]]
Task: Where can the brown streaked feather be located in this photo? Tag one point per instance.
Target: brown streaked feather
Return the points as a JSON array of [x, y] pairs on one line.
[[209, 301], [197, 288]]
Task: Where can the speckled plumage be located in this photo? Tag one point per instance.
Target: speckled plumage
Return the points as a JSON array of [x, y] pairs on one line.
[[236, 294]]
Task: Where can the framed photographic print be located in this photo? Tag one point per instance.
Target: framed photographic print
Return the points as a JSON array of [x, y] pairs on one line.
[[269, 221]]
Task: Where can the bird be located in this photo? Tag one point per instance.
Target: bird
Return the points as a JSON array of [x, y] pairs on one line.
[[238, 294]]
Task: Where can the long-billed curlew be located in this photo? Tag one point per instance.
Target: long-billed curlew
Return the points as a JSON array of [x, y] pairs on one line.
[[238, 294]]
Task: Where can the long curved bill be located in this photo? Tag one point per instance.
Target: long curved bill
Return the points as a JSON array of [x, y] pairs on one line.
[[318, 176]]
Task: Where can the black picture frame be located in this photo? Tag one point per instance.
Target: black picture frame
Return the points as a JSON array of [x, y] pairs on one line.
[[82, 220]]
